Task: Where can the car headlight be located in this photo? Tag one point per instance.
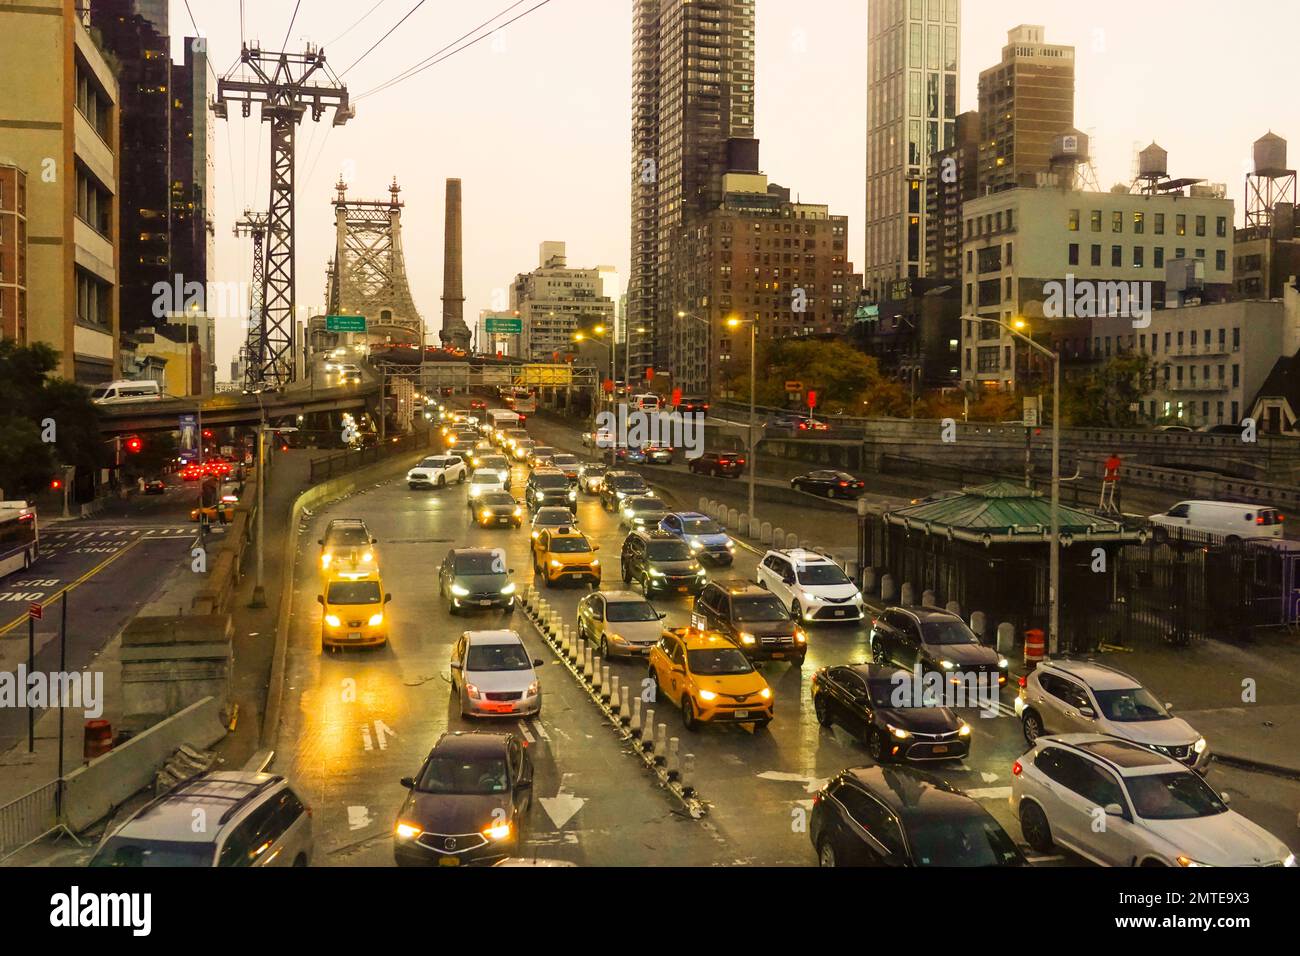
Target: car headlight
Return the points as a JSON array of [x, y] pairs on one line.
[[325, 559], [406, 831], [573, 495], [1188, 861], [1290, 860], [459, 590], [376, 620], [332, 620], [808, 596], [765, 693], [747, 638], [699, 572], [617, 638], [541, 496], [498, 831], [898, 732], [1200, 745], [656, 573], [628, 513], [368, 557], [708, 695], [1003, 663], [532, 689], [504, 475], [947, 665], [963, 730], [731, 545], [800, 636], [595, 562], [556, 564], [695, 545], [519, 512], [509, 588]]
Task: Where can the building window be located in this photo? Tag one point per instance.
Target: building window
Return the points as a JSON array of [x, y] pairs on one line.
[[1117, 221], [1139, 223], [1158, 258], [1137, 257], [1074, 253], [1096, 254], [1180, 224], [1094, 220], [94, 299], [988, 359], [1200, 225], [1180, 253], [1236, 378], [1236, 339], [1221, 226], [1116, 255], [1220, 259], [1008, 254], [1160, 224], [1074, 220]]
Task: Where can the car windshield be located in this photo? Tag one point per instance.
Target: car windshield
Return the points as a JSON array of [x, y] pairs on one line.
[[967, 840], [593, 470], [1130, 704], [498, 498], [497, 657], [643, 504], [495, 462], [549, 482], [627, 483], [946, 632], [433, 463], [669, 551], [756, 609], [628, 612], [554, 516], [354, 592], [486, 476], [566, 460], [123, 851], [701, 526], [346, 537], [823, 574], [882, 695], [479, 562], [577, 545], [1181, 795], [481, 775], [543, 451], [719, 661]]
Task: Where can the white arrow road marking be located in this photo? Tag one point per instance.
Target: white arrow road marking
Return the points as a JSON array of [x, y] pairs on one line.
[[358, 818], [989, 793], [561, 807], [382, 733], [810, 784], [988, 777]]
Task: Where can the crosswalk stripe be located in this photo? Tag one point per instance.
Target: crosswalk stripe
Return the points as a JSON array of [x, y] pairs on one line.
[[523, 729]]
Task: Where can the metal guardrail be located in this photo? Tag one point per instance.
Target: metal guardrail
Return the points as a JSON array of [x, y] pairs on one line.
[[325, 468], [27, 819]]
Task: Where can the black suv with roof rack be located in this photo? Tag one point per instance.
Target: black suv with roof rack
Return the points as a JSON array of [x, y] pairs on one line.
[[752, 617]]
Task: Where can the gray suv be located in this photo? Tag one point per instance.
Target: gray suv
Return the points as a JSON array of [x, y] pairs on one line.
[[219, 818], [1068, 696]]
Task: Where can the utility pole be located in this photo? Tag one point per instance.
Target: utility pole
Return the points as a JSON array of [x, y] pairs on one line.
[[284, 85], [254, 225]]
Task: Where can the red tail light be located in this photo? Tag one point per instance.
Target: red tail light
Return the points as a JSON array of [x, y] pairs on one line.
[[844, 484], [817, 798], [1281, 518], [1021, 680], [1016, 769], [1259, 519], [740, 461]]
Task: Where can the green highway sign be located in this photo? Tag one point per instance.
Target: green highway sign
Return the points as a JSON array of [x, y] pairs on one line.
[[505, 326], [345, 323]]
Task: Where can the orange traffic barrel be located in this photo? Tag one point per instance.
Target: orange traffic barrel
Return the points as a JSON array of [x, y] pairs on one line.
[[1035, 645], [98, 739]]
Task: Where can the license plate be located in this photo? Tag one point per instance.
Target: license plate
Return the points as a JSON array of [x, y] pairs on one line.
[[941, 748], [840, 612], [683, 589], [778, 656], [449, 861], [500, 708], [354, 635], [484, 603], [742, 714]]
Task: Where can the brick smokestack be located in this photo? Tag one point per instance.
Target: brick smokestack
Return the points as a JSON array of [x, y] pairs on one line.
[[454, 332]]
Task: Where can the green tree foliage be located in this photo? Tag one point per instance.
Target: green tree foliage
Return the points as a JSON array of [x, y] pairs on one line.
[[1101, 399], [842, 376], [30, 402]]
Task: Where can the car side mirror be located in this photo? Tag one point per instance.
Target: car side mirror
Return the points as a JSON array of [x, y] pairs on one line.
[[1169, 707], [538, 662], [408, 783], [320, 599], [1225, 798], [387, 598], [1114, 810], [510, 570], [595, 547], [1087, 712], [374, 540], [663, 615]]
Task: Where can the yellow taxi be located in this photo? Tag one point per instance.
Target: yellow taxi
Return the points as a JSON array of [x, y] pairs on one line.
[[710, 679], [565, 554], [354, 610]]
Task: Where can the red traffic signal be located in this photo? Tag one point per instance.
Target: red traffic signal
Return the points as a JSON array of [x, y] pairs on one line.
[[56, 484], [650, 374], [207, 433], [812, 398], [134, 444], [677, 397]]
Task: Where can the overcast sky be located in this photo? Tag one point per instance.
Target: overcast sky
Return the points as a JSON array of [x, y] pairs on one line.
[[535, 120]]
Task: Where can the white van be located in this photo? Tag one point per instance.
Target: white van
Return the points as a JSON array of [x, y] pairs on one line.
[[1231, 520], [119, 393], [647, 402], [502, 419]]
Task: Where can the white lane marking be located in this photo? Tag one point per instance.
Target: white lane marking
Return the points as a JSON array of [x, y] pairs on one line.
[[541, 730], [562, 807], [359, 818], [810, 784], [989, 793], [523, 729], [1044, 859], [988, 777]]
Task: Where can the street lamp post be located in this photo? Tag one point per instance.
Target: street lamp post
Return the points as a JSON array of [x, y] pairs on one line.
[[1054, 552], [598, 331], [735, 323]]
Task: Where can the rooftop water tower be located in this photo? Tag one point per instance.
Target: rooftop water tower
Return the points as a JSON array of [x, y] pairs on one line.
[[1271, 184]]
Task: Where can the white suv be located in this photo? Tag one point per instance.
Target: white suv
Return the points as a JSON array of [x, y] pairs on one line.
[[811, 585], [1066, 696], [219, 818], [437, 471], [483, 481], [1118, 804]]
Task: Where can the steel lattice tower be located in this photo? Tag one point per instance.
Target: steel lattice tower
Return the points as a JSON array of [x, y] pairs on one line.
[[285, 85], [253, 352]]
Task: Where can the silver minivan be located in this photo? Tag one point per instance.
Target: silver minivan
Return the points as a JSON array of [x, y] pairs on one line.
[[219, 818]]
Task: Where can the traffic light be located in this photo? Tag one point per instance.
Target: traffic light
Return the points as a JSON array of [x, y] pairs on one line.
[[207, 433], [134, 444], [56, 484]]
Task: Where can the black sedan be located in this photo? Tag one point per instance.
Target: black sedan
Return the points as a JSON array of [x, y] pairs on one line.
[[886, 708], [498, 509], [937, 642], [891, 816], [467, 803], [155, 486], [473, 578], [832, 484]]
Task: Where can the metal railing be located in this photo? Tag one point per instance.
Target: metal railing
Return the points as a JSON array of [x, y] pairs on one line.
[[27, 819], [325, 468]]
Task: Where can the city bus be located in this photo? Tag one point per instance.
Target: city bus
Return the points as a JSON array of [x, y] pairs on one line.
[[19, 540], [522, 401]]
